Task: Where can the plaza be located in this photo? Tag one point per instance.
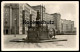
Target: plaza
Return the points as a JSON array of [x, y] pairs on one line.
[[70, 43]]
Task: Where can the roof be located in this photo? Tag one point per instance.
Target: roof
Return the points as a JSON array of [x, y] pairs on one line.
[[55, 13], [30, 6], [38, 6]]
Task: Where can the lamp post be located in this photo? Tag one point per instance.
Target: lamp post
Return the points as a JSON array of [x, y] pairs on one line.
[[15, 27]]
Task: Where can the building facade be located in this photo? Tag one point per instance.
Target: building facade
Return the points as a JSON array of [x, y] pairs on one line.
[[67, 26], [17, 13], [57, 21], [48, 18], [41, 10], [28, 10], [14, 15], [11, 18]]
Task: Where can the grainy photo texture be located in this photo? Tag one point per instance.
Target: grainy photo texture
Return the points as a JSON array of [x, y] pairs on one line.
[[40, 25]]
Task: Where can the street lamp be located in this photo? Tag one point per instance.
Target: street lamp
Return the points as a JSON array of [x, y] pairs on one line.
[[15, 27]]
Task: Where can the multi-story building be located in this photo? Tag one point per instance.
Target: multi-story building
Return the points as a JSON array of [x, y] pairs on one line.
[[14, 14], [48, 18], [11, 18], [67, 26], [6, 21], [41, 10], [27, 11], [57, 21], [74, 30]]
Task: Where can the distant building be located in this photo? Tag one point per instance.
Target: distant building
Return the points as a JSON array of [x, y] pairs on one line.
[[41, 10], [48, 18], [17, 13], [74, 30], [57, 21], [67, 26]]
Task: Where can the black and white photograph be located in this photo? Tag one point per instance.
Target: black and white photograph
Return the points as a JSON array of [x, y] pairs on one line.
[[40, 25]]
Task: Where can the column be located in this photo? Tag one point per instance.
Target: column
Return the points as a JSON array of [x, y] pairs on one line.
[[10, 19]]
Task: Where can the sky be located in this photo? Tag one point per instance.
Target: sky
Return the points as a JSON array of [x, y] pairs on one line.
[[68, 10]]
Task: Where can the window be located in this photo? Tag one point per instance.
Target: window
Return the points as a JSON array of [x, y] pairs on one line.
[[71, 26], [6, 14], [62, 27], [6, 9], [66, 26], [5, 22]]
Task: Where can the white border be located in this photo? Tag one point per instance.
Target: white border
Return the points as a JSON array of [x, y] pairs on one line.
[[41, 49]]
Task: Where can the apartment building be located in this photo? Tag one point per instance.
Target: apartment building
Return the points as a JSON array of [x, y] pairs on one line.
[[14, 15]]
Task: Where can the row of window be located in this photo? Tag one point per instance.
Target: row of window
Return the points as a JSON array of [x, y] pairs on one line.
[[67, 27]]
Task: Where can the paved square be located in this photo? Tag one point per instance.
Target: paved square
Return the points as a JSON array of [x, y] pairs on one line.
[[70, 43]]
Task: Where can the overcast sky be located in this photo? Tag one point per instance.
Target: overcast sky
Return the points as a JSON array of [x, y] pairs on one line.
[[68, 10]]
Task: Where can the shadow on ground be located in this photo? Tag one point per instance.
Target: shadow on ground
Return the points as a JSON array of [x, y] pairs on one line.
[[41, 41]]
